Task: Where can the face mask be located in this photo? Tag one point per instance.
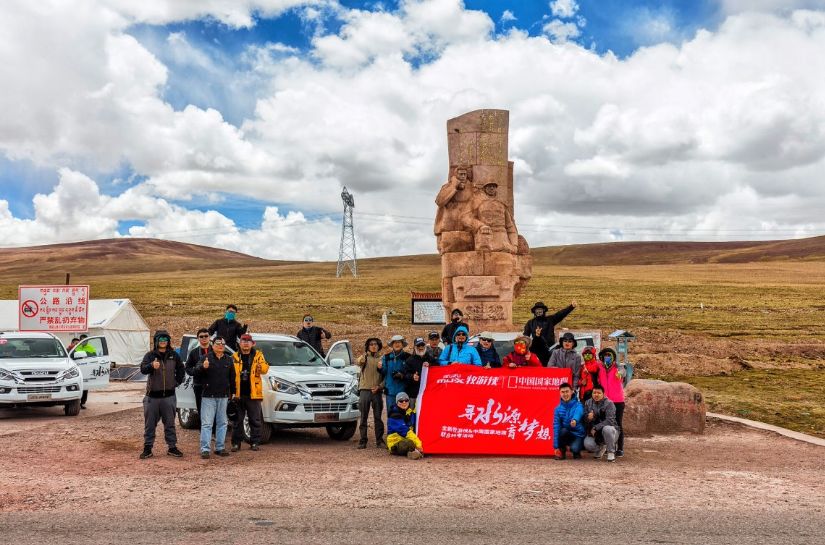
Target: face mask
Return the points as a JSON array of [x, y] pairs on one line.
[[456, 318], [521, 349], [229, 315], [608, 360]]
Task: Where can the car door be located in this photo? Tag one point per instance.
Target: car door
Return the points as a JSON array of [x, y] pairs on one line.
[[91, 355], [342, 350], [184, 394]]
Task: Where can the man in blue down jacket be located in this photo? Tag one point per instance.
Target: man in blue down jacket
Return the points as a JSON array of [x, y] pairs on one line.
[[392, 369], [459, 351], [568, 428]]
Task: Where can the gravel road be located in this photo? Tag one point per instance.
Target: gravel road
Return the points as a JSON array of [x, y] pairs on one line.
[[79, 480]]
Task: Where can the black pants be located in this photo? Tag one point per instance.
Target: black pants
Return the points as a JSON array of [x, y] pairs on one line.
[[252, 409], [198, 389], [619, 416], [367, 399], [157, 409], [84, 397]]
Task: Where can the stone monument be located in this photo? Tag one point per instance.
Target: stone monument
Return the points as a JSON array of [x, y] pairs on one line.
[[485, 263]]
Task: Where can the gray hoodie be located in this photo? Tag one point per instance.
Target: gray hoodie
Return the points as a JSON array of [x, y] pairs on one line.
[[567, 359]]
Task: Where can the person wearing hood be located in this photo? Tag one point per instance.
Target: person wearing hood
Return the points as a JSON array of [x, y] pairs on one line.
[[370, 388], [601, 425], [414, 368], [227, 328], [248, 391], [589, 373], [459, 350], [542, 325], [216, 375], [312, 334], [166, 372], [566, 357], [392, 368], [521, 355], [568, 428], [611, 377], [456, 320], [487, 352], [401, 437]]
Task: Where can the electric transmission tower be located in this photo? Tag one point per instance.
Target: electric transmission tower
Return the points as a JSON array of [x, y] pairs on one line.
[[346, 255]]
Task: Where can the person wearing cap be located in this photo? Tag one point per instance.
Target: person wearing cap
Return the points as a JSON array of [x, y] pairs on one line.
[[370, 391], [459, 350], [414, 367], [433, 349], [568, 425], [456, 319], [521, 355], [216, 374], [165, 372], [487, 352], [392, 368], [248, 391], [542, 325], [611, 377], [312, 334], [566, 357], [228, 328], [401, 438]]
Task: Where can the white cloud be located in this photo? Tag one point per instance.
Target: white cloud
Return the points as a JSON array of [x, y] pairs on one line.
[[560, 31], [233, 13], [507, 16], [564, 8], [732, 7]]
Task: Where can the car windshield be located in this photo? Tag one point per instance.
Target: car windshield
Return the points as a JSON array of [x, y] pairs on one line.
[[294, 353], [31, 348]]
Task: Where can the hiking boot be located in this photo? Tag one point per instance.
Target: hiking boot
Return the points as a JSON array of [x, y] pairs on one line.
[[254, 446], [221, 453], [236, 448], [611, 457], [560, 454], [174, 452], [619, 453], [600, 452], [205, 455], [379, 443], [147, 453], [415, 455], [577, 455], [362, 444]]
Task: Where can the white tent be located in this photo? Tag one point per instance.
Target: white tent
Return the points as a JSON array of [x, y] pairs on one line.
[[127, 335]]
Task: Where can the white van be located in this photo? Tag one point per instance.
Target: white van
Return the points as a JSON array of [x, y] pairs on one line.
[[35, 370], [301, 389]]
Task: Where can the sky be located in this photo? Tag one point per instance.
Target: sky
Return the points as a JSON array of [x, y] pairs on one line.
[[236, 123]]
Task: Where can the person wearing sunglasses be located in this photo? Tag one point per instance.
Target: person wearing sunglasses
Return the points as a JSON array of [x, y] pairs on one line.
[[217, 375], [165, 372], [460, 351], [401, 438], [196, 355], [487, 352], [312, 334]]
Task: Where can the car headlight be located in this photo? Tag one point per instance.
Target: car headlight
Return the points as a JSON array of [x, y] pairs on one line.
[[353, 388], [11, 377], [72, 372], [284, 386]]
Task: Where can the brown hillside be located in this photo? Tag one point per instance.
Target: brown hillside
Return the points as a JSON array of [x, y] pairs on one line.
[[117, 256]]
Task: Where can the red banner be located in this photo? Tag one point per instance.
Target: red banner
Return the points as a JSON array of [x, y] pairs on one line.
[[463, 409]]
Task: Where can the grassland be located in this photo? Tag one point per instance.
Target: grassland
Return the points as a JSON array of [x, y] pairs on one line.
[[749, 335]]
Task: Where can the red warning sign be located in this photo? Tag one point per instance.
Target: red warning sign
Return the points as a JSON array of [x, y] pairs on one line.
[[54, 308]]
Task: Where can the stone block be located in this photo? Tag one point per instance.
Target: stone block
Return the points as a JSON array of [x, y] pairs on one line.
[[492, 150], [523, 267], [658, 407], [483, 174], [462, 264], [447, 294], [490, 288], [499, 264], [491, 121], [455, 241], [462, 148], [489, 316]]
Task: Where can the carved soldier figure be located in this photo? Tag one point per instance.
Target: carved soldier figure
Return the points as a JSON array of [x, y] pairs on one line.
[[492, 225], [453, 202]]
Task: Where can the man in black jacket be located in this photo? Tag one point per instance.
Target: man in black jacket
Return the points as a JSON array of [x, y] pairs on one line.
[[312, 334], [456, 319], [196, 355], [217, 374], [414, 367], [166, 372], [229, 329], [543, 326]]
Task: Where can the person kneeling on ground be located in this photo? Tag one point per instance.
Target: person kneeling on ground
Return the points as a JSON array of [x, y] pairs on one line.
[[216, 374], [521, 355], [248, 390], [602, 429], [568, 428], [402, 440]]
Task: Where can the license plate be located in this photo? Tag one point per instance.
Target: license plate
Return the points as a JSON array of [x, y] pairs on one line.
[[39, 397], [326, 417]]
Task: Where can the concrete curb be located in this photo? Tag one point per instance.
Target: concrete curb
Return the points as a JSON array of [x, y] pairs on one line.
[[768, 427]]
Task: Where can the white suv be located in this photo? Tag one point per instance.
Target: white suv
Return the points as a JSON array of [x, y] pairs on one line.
[[36, 370], [301, 389]]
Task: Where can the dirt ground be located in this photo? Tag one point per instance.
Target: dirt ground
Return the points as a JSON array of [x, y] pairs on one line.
[[80, 480]]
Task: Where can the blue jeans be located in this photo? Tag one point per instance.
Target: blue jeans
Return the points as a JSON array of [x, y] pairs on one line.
[[568, 439], [213, 410]]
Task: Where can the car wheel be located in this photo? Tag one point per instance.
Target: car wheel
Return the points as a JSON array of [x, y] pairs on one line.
[[266, 431], [72, 408], [189, 419], [342, 432]]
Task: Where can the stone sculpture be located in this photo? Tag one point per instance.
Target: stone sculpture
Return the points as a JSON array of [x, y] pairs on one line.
[[484, 261]]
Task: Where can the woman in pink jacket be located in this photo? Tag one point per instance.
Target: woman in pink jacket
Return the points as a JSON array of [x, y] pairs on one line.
[[611, 377]]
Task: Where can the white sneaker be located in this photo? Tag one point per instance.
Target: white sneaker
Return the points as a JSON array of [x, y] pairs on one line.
[[611, 456], [600, 452], [415, 455]]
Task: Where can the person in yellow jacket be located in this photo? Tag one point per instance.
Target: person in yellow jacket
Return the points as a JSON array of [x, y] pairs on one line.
[[248, 391], [402, 439]]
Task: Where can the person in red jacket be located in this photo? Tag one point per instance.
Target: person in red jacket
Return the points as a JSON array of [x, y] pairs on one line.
[[521, 355], [589, 373]]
